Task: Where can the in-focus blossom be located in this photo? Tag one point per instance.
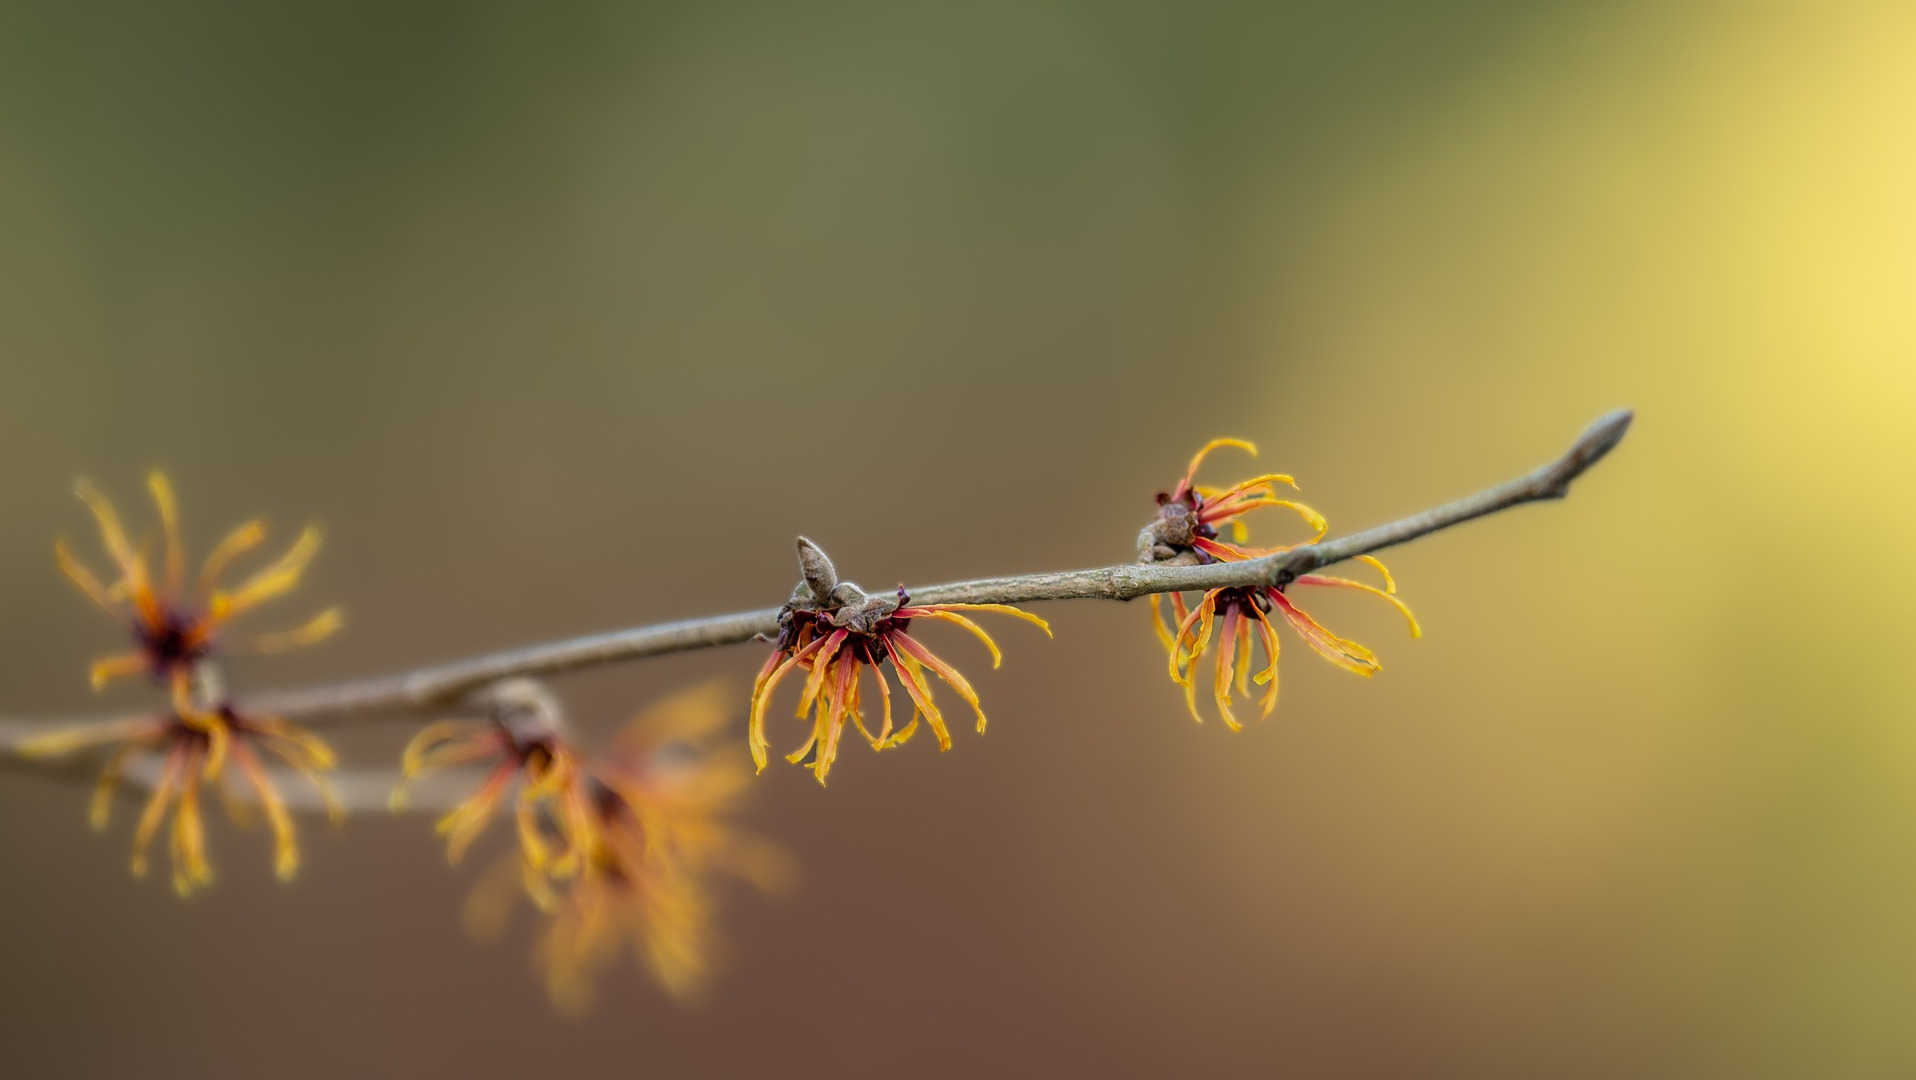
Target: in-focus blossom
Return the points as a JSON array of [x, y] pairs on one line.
[[1189, 515], [522, 742], [1185, 529], [835, 645], [192, 756], [174, 625], [663, 796], [1234, 623]]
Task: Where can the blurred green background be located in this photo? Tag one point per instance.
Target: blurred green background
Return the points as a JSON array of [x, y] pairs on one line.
[[565, 317]]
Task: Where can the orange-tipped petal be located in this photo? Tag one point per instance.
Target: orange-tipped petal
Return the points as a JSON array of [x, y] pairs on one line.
[[884, 694]]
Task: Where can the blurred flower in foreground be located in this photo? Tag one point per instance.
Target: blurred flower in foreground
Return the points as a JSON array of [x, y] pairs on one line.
[[523, 740], [661, 798], [175, 627], [1186, 531], [192, 755], [833, 646]]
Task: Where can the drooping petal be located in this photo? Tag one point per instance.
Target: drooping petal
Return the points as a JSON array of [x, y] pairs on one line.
[[469, 819], [108, 784], [1002, 609], [1348, 655], [832, 725], [755, 729], [821, 667], [156, 806], [301, 762], [190, 868], [943, 670], [1221, 684], [1390, 583], [1198, 459], [1346, 583], [1184, 631], [920, 693], [285, 841], [1157, 623], [1268, 676], [976, 630]]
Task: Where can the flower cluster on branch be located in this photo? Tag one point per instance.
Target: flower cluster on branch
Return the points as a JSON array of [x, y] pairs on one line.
[[623, 848]]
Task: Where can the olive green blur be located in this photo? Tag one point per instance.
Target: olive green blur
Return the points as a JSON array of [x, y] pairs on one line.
[[558, 318]]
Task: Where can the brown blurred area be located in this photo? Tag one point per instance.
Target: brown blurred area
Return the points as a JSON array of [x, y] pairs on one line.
[[565, 317]]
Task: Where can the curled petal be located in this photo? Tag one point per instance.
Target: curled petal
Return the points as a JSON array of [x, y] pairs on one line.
[[920, 693], [944, 671], [1215, 444], [763, 696], [1390, 584]]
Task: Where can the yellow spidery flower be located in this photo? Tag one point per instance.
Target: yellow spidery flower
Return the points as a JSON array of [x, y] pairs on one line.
[[1235, 622], [1185, 529], [523, 741], [176, 626], [192, 756], [663, 795], [834, 646]]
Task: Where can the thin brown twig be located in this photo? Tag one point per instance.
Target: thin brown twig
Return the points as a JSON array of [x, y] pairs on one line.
[[442, 685]]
